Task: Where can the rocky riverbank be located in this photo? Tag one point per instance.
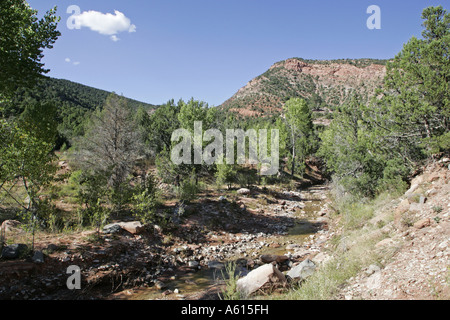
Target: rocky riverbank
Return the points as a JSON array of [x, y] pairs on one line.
[[274, 237], [127, 257]]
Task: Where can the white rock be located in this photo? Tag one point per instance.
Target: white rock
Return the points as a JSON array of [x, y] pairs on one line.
[[193, 264], [374, 281], [302, 271], [243, 191], [258, 278]]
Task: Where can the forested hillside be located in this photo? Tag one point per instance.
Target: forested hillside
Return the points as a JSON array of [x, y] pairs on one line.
[[74, 102]]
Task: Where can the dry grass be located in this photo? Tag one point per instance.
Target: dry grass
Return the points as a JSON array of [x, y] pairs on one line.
[[352, 251]]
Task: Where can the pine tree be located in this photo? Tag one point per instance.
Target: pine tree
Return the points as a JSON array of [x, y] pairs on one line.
[[415, 107]]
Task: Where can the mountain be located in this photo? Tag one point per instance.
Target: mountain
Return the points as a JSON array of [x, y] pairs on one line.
[[74, 101], [326, 83]]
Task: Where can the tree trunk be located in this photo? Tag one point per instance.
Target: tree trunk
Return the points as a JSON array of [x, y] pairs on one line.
[[293, 154]]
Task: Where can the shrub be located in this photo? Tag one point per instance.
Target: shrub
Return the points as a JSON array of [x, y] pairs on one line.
[[230, 277], [145, 201], [188, 189]]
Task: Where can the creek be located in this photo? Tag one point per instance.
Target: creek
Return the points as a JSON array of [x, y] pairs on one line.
[[302, 230]]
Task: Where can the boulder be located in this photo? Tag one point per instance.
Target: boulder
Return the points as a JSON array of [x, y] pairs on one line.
[[243, 191], [374, 281], [300, 253], [434, 177], [422, 200], [372, 269], [321, 258], [14, 251], [38, 257], [302, 271], [422, 223], [133, 227], [403, 207], [215, 265], [52, 248], [268, 258], [112, 228], [384, 243], [415, 207], [160, 285], [411, 190], [264, 275], [193, 264]]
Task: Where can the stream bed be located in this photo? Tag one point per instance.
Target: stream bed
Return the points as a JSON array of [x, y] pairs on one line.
[[305, 226]]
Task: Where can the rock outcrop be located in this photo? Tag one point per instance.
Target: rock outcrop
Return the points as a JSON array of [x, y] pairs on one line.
[[334, 82]]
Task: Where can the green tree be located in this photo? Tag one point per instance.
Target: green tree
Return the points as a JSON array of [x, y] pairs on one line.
[[26, 162], [284, 136], [225, 174], [191, 112], [22, 41], [145, 201], [347, 149], [298, 120], [415, 107], [160, 125], [41, 119], [357, 155], [372, 149]]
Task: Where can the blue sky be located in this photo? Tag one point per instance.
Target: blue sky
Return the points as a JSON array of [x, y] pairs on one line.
[[208, 49]]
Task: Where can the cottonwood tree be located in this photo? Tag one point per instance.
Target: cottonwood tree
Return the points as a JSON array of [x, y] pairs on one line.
[[191, 112], [111, 146], [23, 37], [26, 162], [299, 123]]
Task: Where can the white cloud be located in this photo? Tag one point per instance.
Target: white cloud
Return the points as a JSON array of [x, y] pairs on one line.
[[68, 60], [105, 24]]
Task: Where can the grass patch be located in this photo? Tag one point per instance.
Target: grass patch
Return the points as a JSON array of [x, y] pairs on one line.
[[326, 282], [359, 251], [355, 215]]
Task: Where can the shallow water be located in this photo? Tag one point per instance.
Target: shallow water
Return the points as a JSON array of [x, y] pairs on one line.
[[198, 280]]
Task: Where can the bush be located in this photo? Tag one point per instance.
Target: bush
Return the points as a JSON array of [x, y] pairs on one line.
[[230, 278], [188, 189], [246, 177], [145, 201], [99, 214], [225, 174]]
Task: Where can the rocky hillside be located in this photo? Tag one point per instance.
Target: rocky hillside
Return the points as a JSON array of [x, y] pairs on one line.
[[328, 83], [417, 239]]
